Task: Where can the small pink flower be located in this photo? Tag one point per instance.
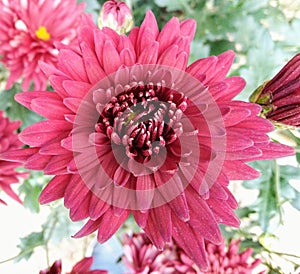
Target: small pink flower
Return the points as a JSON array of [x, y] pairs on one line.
[[82, 267], [116, 15], [131, 128], [142, 257], [28, 32], [9, 141], [280, 97]]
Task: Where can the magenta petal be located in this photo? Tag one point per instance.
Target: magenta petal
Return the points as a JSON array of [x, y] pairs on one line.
[[204, 66], [223, 214], [88, 228], [148, 32], [55, 189], [97, 207], [202, 219], [276, 150], [111, 58], [37, 162], [154, 231], [46, 106], [43, 132], [223, 65], [237, 170], [145, 189], [191, 242], [110, 224], [168, 34], [25, 98], [75, 190], [81, 88], [72, 64], [19, 155], [160, 218], [188, 28], [235, 86], [83, 266], [58, 164], [94, 71], [168, 58], [8, 190], [149, 54], [80, 210]]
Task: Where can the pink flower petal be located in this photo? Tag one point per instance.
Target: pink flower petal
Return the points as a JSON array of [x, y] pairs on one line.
[[55, 189]]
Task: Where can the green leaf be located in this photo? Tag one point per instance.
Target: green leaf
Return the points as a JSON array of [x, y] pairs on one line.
[[59, 225], [244, 212], [31, 189], [29, 243], [15, 110], [274, 190], [295, 202], [171, 5]]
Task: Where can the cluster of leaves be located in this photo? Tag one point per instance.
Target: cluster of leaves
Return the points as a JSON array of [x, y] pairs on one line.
[[54, 230]]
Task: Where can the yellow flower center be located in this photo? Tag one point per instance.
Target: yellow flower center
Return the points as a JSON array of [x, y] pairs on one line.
[[42, 33]]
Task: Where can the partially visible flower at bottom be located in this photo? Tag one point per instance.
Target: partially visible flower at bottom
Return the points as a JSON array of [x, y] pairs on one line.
[[142, 257], [280, 97], [82, 267], [9, 141]]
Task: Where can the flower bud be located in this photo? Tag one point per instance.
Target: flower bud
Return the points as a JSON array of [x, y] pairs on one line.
[[280, 97], [117, 16]]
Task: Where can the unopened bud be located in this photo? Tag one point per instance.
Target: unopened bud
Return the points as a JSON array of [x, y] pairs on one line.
[[117, 16], [280, 97]]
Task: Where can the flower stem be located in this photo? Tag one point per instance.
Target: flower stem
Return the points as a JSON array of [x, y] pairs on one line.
[[276, 171], [17, 256]]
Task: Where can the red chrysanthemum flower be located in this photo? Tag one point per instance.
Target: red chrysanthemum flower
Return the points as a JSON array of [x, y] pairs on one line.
[[116, 15], [9, 141], [142, 257], [28, 32], [280, 97], [132, 129], [82, 267]]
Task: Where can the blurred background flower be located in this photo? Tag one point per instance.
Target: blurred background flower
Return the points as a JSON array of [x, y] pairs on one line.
[[29, 30], [142, 257], [9, 141]]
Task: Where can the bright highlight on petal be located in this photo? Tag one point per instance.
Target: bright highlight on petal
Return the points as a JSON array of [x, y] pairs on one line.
[[42, 33]]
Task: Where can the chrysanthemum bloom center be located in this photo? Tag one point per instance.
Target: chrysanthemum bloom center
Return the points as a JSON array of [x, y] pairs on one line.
[[42, 33], [144, 118]]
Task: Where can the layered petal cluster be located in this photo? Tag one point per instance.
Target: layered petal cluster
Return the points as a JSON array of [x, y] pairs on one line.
[[131, 128], [8, 142], [116, 15], [82, 267], [142, 257], [28, 32], [280, 97]]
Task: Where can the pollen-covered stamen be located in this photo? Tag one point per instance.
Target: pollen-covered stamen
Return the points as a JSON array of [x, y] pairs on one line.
[[143, 118], [42, 33]]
